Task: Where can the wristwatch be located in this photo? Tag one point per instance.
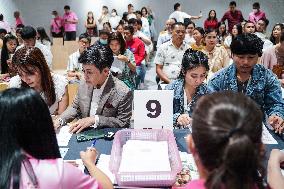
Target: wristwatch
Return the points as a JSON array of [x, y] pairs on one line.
[[128, 61], [61, 122]]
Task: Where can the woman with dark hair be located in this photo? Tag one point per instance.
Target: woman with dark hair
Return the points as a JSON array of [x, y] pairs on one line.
[[146, 22], [32, 158], [124, 65], [276, 32], [237, 30], [42, 37], [218, 57], [33, 72], [10, 44], [114, 19], [226, 142], [221, 33], [189, 87], [90, 24], [198, 36], [107, 27], [120, 29], [211, 21]]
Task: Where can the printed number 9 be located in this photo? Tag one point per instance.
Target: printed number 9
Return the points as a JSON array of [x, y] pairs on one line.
[[156, 111]]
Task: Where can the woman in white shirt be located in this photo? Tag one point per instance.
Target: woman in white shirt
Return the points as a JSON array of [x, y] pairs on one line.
[[114, 19], [33, 72]]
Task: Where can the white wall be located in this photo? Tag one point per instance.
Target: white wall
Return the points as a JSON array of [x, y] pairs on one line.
[[37, 12]]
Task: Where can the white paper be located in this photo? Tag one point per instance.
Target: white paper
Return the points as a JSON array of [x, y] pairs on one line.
[[117, 65], [267, 138], [63, 152], [282, 89], [145, 156], [63, 136], [103, 165], [188, 163]]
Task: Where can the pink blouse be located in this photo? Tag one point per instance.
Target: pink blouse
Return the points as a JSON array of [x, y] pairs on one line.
[[54, 173]]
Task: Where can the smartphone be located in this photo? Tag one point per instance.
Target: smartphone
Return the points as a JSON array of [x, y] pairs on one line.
[[90, 134]]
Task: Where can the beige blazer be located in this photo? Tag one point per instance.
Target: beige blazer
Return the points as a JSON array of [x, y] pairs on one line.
[[114, 108]]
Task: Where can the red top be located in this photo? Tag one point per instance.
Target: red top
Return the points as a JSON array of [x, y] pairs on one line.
[[233, 18], [136, 46], [210, 24]]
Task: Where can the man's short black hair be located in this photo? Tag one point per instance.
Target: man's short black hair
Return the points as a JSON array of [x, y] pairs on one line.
[[176, 6], [139, 22], [247, 44], [233, 3], [85, 36], [177, 24], [190, 22], [66, 7], [98, 55], [103, 32], [3, 31], [28, 32], [129, 28], [132, 21], [256, 5], [1, 17]]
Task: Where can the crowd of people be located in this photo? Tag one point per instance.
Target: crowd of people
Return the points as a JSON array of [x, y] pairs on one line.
[[226, 76]]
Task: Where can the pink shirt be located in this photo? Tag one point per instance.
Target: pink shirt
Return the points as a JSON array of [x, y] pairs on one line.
[[70, 16], [256, 17], [196, 184], [5, 26], [55, 173], [19, 21], [56, 23]]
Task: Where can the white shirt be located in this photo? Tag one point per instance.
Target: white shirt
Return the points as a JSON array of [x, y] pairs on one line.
[[73, 63], [189, 39], [45, 42], [267, 43], [5, 26], [60, 84], [97, 93], [104, 19], [179, 16], [132, 15], [170, 57], [114, 21], [45, 51], [146, 27], [164, 36]]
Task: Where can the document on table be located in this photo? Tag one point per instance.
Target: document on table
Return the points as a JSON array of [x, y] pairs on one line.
[[103, 165], [267, 138], [63, 136], [145, 156], [63, 152]]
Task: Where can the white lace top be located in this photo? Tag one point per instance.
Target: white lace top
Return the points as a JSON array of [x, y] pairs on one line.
[[60, 84]]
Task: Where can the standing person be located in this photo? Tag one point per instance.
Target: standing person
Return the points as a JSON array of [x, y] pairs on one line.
[[42, 37], [130, 12], [70, 22], [10, 44], [198, 36], [169, 56], [226, 143], [211, 21], [124, 66], [103, 18], [276, 33], [252, 79], [5, 25], [256, 14], [90, 25], [137, 47], [56, 25], [33, 72], [114, 19], [218, 57], [180, 16], [24, 162], [233, 16], [146, 19], [19, 21], [189, 86]]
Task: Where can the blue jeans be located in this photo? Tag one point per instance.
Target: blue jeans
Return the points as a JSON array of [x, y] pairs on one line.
[[140, 71]]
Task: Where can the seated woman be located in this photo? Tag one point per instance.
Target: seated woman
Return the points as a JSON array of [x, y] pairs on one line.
[[10, 44], [33, 72], [32, 158], [218, 57], [42, 37], [189, 87], [231, 155], [124, 66]]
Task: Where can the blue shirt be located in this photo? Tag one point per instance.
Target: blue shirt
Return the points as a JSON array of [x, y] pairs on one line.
[[178, 102], [263, 87]]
